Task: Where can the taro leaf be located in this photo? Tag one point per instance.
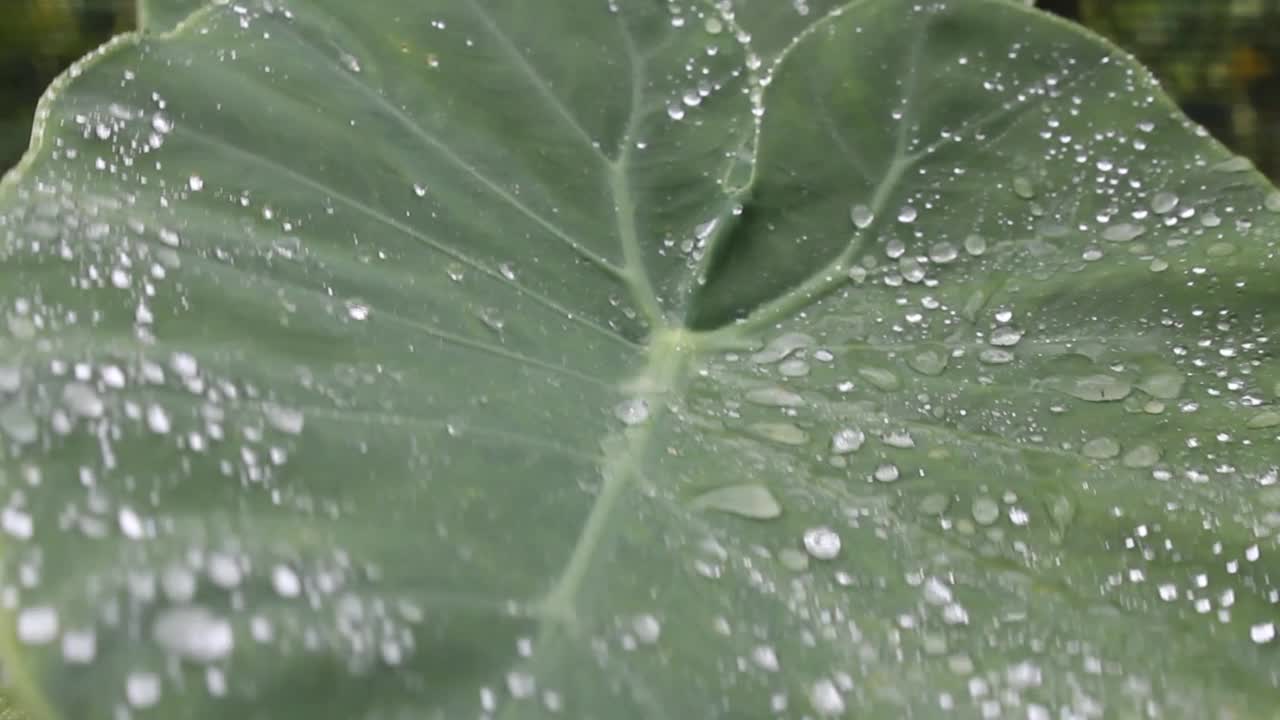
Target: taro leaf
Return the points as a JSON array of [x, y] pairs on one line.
[[635, 360]]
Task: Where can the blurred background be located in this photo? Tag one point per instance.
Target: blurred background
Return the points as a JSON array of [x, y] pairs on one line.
[[1219, 58]]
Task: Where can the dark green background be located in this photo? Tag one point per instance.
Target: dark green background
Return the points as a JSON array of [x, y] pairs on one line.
[[1220, 58]]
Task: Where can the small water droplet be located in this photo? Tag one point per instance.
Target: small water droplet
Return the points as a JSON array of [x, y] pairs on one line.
[[826, 699], [886, 473], [1023, 188], [822, 543], [1262, 632], [847, 440], [907, 214], [142, 689], [647, 628], [975, 245], [861, 216], [632, 411], [928, 362], [285, 581], [82, 400], [37, 625]]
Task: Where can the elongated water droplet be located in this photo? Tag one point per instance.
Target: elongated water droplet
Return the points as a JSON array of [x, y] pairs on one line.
[[880, 378], [774, 397], [1142, 456], [1163, 203], [750, 501], [1102, 448], [1099, 388], [1124, 232], [784, 433]]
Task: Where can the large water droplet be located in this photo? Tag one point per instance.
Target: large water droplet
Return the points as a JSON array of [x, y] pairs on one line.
[[1101, 448], [37, 625], [826, 699], [1099, 388], [862, 216]]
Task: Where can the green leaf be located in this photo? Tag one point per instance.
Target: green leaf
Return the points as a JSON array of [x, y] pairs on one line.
[[635, 360]]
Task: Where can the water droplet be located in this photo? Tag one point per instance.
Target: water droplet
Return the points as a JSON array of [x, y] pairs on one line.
[[19, 424], [1266, 419], [985, 510], [880, 378], [1099, 388], [774, 396], [632, 411], [675, 111], [995, 356], [1272, 202], [943, 252], [142, 689], [82, 400], [286, 420], [357, 310], [928, 362], [285, 581], [195, 183], [1163, 203], [936, 592], [847, 440], [784, 433], [161, 123], [419, 190], [886, 473], [934, 504], [158, 420], [975, 245], [1006, 336], [861, 216], [1124, 232], [193, 633], [907, 214], [1102, 448], [793, 367], [826, 699], [1220, 249], [1165, 386], [37, 625], [1023, 188], [79, 646], [1262, 632], [765, 658], [10, 378], [781, 347], [1143, 456], [1234, 165], [750, 501], [647, 628], [822, 543]]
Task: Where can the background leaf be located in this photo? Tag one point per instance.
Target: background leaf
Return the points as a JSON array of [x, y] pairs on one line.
[[635, 360]]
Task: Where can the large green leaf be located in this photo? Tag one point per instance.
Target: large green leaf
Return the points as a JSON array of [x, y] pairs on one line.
[[635, 359]]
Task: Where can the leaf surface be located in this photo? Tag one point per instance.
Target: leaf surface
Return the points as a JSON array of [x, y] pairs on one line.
[[635, 360]]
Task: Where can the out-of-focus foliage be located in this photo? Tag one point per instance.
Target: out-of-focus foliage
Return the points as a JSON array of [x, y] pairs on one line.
[[1219, 58], [38, 38]]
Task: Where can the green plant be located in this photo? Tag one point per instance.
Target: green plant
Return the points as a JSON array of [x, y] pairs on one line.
[[631, 359]]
